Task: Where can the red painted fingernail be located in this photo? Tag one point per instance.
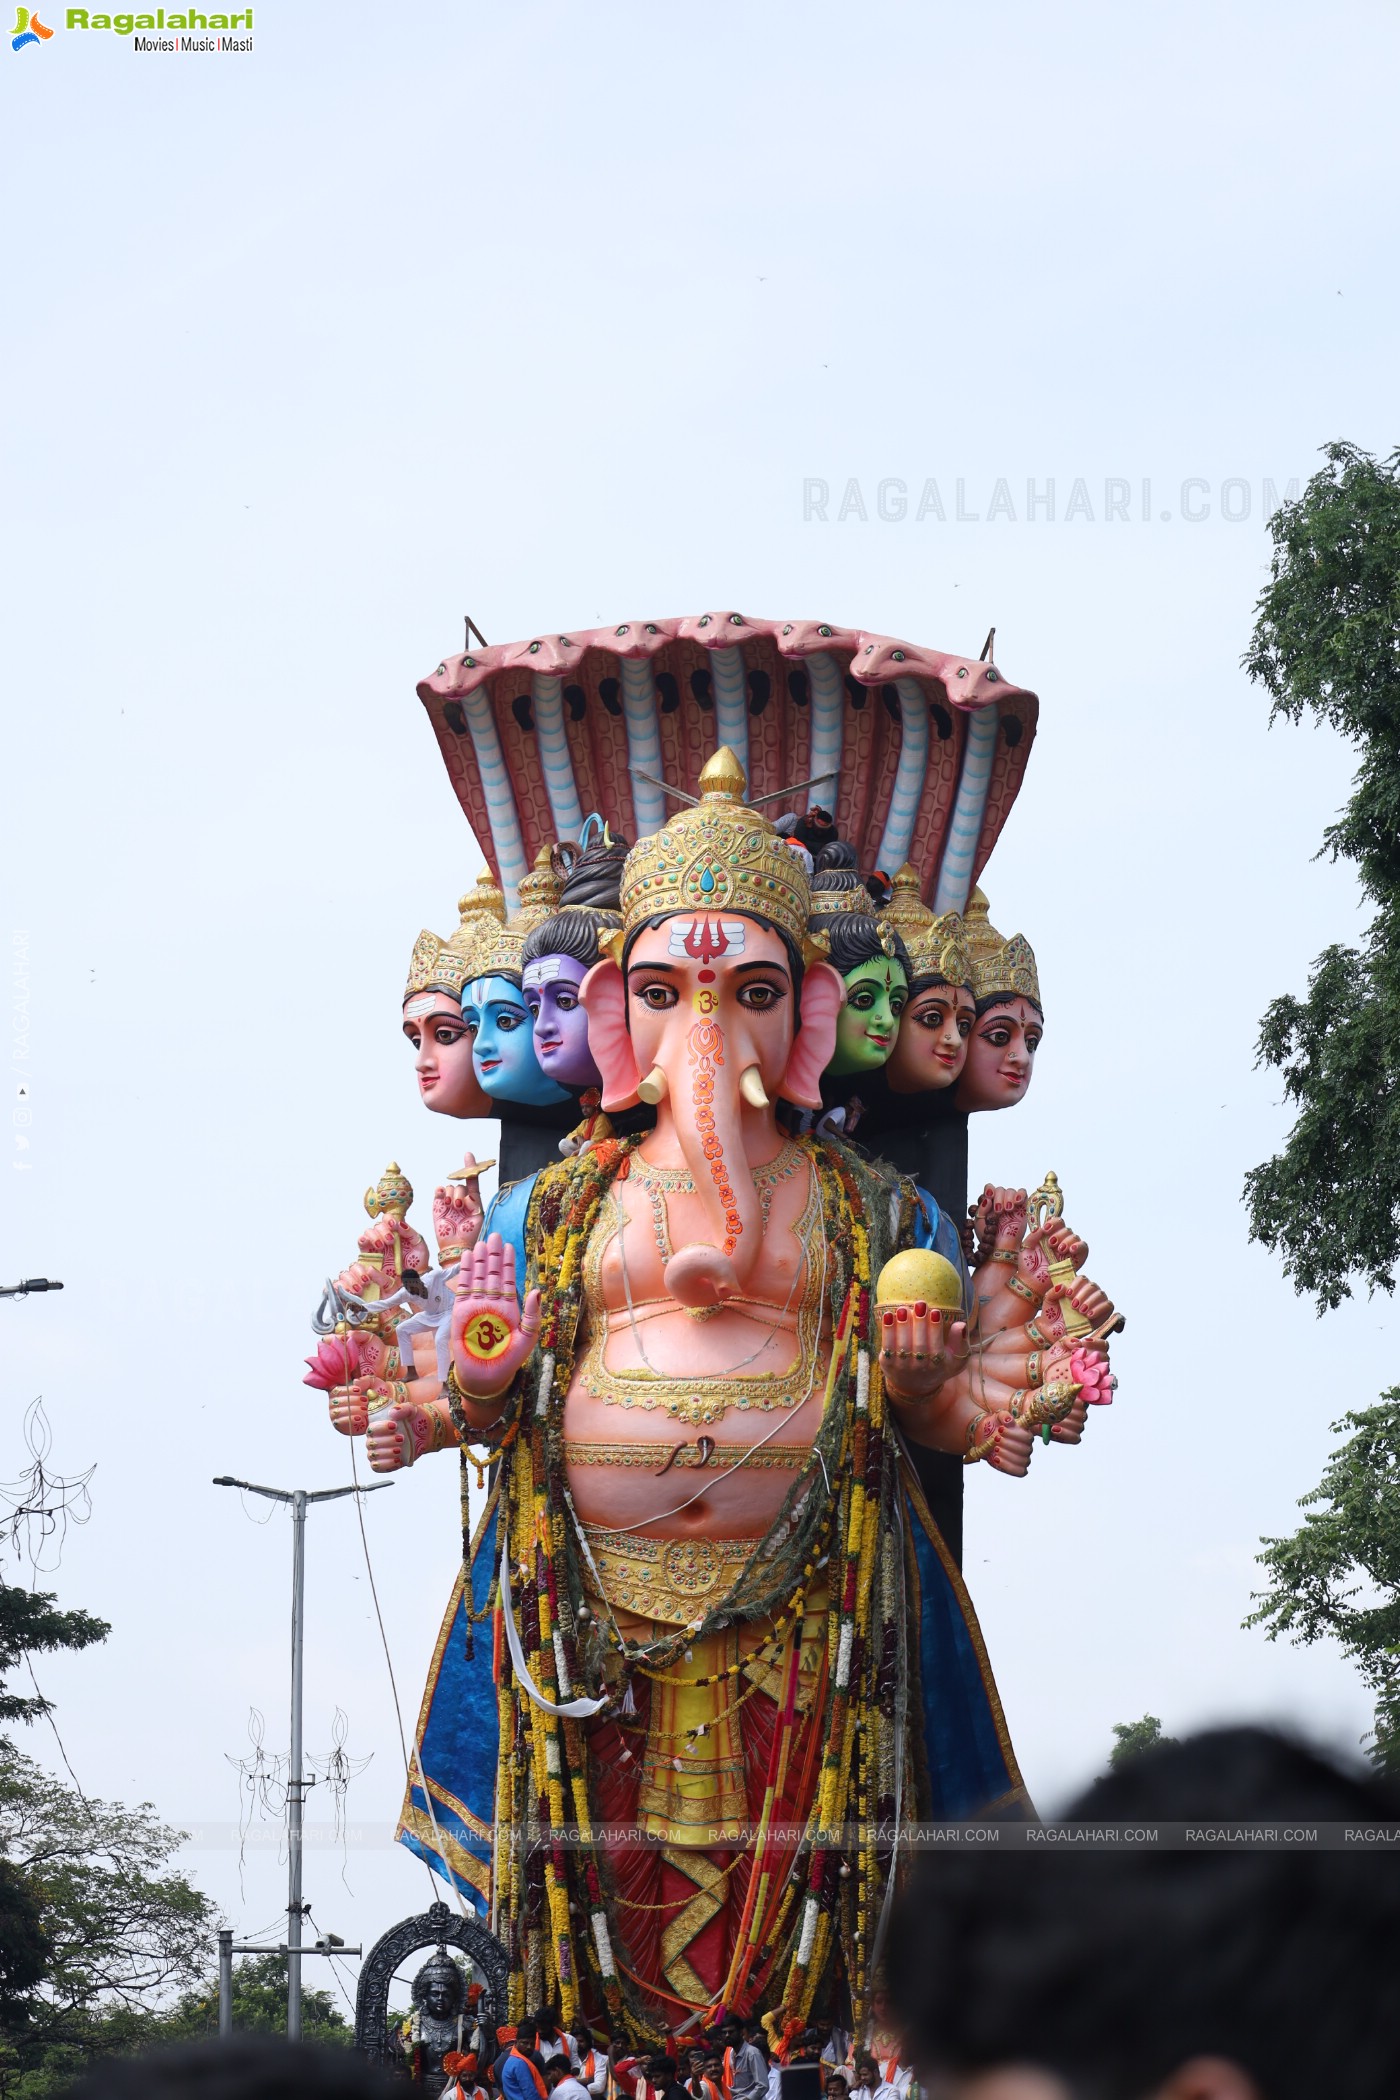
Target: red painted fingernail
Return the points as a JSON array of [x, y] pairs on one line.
[[889, 1320], [903, 1313], [921, 1310]]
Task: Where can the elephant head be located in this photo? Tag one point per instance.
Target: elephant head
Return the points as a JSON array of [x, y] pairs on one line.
[[708, 1024]]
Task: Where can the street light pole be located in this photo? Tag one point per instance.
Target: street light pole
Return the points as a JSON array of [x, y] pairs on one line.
[[295, 1788], [299, 1500]]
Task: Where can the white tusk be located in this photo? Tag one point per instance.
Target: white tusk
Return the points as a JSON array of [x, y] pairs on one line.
[[751, 1087], [653, 1088]]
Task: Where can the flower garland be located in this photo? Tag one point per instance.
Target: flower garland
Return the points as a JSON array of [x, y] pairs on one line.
[[554, 1902]]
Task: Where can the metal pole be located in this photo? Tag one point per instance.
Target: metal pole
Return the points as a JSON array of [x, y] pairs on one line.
[[225, 1983], [299, 1499], [294, 1787]]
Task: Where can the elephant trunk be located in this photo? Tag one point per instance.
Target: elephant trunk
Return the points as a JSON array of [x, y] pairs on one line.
[[711, 1140]]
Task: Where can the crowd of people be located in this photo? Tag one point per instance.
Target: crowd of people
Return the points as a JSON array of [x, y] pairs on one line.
[[1254, 1971], [539, 2059]]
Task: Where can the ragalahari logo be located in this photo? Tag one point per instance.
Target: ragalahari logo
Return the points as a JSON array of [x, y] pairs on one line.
[[28, 29]]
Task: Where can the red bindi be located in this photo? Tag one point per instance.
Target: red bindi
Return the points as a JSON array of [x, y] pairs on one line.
[[706, 976]]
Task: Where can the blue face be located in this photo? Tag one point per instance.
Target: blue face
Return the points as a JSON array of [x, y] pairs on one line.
[[503, 1048]]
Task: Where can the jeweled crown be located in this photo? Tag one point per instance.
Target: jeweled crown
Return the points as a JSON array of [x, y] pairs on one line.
[[435, 966], [936, 941], [999, 967], [442, 966], [719, 856], [541, 892]]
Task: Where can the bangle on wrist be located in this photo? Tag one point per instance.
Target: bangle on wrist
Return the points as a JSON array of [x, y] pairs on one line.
[[1023, 1290], [471, 1432]]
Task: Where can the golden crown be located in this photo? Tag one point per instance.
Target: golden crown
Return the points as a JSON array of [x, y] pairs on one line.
[[718, 856], [936, 941], [998, 966], [939, 950], [540, 892], [435, 966], [1010, 972], [495, 951], [442, 966]]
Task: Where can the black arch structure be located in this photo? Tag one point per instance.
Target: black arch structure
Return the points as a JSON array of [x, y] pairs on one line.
[[435, 1927]]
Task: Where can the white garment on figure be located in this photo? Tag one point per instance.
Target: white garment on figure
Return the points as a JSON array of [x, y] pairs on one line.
[[775, 2080], [569, 2089]]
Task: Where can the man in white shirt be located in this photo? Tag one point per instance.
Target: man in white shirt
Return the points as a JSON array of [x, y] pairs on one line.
[[563, 2085]]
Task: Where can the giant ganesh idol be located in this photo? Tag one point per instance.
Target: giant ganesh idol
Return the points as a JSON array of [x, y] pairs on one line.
[[711, 1651]]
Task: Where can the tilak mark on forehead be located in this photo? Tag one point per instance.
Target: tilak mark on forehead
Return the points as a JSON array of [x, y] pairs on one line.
[[704, 938]]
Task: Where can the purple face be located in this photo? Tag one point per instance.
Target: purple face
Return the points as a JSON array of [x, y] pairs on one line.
[[550, 985]]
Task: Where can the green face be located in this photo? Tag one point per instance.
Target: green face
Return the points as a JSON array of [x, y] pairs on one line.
[[876, 995]]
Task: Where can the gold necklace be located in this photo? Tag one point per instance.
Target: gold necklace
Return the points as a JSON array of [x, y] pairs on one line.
[[701, 1401], [656, 1182]]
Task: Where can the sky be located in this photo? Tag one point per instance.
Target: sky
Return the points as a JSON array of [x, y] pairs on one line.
[[557, 315]]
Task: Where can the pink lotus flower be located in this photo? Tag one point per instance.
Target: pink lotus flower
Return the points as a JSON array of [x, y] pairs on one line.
[[1091, 1373], [336, 1362]]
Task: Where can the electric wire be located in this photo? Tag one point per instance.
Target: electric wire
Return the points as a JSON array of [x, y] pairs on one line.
[[398, 1710]]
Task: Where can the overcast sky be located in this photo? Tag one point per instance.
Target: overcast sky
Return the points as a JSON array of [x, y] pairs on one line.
[[548, 313]]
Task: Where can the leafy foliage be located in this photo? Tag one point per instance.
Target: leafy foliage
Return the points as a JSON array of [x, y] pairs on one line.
[[120, 1930], [1339, 1576], [1326, 642], [1133, 1737], [31, 1625], [259, 2006]]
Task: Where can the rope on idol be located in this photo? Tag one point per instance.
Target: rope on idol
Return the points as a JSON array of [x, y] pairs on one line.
[[417, 1758]]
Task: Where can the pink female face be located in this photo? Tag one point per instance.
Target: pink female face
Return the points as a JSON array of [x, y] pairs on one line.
[[1000, 1056], [550, 985], [433, 1023], [931, 1047]]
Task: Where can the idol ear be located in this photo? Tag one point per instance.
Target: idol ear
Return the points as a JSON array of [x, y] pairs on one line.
[[814, 1045], [604, 996]]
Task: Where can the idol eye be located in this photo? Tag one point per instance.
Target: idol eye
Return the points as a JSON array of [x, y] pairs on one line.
[[931, 1016], [898, 1002], [964, 1026], [657, 996], [447, 1036], [509, 1019], [761, 998], [1000, 1037], [1032, 1041], [566, 1001]]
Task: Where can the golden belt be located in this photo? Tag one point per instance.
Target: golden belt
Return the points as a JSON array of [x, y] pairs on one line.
[[701, 1455], [672, 1581]]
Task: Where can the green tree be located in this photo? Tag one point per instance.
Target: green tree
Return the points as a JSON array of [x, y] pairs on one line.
[[1326, 643], [121, 1930], [1133, 1737], [1339, 1575], [30, 1624], [259, 2006]]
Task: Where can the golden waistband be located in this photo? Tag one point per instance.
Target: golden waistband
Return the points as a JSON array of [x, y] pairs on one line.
[[653, 1458], [673, 1581]]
